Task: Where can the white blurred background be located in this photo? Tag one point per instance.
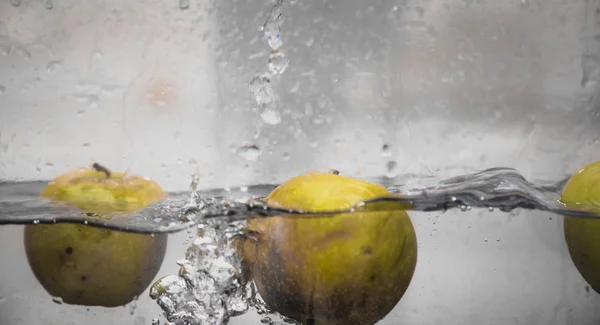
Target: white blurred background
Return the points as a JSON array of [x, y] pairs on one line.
[[447, 87]]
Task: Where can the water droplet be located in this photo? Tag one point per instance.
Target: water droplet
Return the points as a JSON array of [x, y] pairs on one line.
[[491, 209], [261, 89], [463, 208], [133, 306], [57, 300], [2, 299], [485, 240], [2, 89], [49, 4], [395, 8], [250, 152], [155, 321], [286, 156], [184, 4], [420, 10], [497, 239], [16, 3], [80, 113], [385, 151], [270, 115], [53, 65], [278, 62], [272, 26], [453, 198], [391, 167], [35, 222]]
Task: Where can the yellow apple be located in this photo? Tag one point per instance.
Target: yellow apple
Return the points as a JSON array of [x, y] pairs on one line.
[[582, 191], [348, 268], [85, 265]]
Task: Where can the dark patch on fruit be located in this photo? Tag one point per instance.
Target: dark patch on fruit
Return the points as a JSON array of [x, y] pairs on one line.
[[69, 250], [83, 278]]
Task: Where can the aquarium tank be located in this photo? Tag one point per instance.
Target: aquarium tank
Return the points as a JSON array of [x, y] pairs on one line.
[[325, 162]]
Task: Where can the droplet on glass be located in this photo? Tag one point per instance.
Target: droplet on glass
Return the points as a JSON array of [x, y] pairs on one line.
[[155, 321], [53, 65], [485, 240], [278, 63], [491, 209], [184, 4], [385, 151], [49, 4], [57, 300], [286, 156], [2, 299], [250, 152], [2, 89], [16, 3], [391, 169]]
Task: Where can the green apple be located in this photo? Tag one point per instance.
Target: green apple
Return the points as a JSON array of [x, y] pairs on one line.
[[348, 268], [582, 191], [85, 265]]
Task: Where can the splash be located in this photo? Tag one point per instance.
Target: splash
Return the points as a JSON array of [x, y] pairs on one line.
[[260, 86]]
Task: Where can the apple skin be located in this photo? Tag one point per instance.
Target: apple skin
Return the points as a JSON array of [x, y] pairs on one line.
[[583, 235], [352, 268], [85, 265]]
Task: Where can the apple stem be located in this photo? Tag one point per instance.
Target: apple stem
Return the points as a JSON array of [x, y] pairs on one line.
[[101, 168]]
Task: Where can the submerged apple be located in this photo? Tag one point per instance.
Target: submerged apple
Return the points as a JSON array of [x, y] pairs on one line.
[[350, 268], [85, 265]]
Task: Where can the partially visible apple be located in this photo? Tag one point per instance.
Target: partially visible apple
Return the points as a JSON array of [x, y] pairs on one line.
[[583, 235], [85, 265], [349, 269]]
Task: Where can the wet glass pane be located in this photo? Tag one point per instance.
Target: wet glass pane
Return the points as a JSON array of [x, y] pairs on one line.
[[471, 115]]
